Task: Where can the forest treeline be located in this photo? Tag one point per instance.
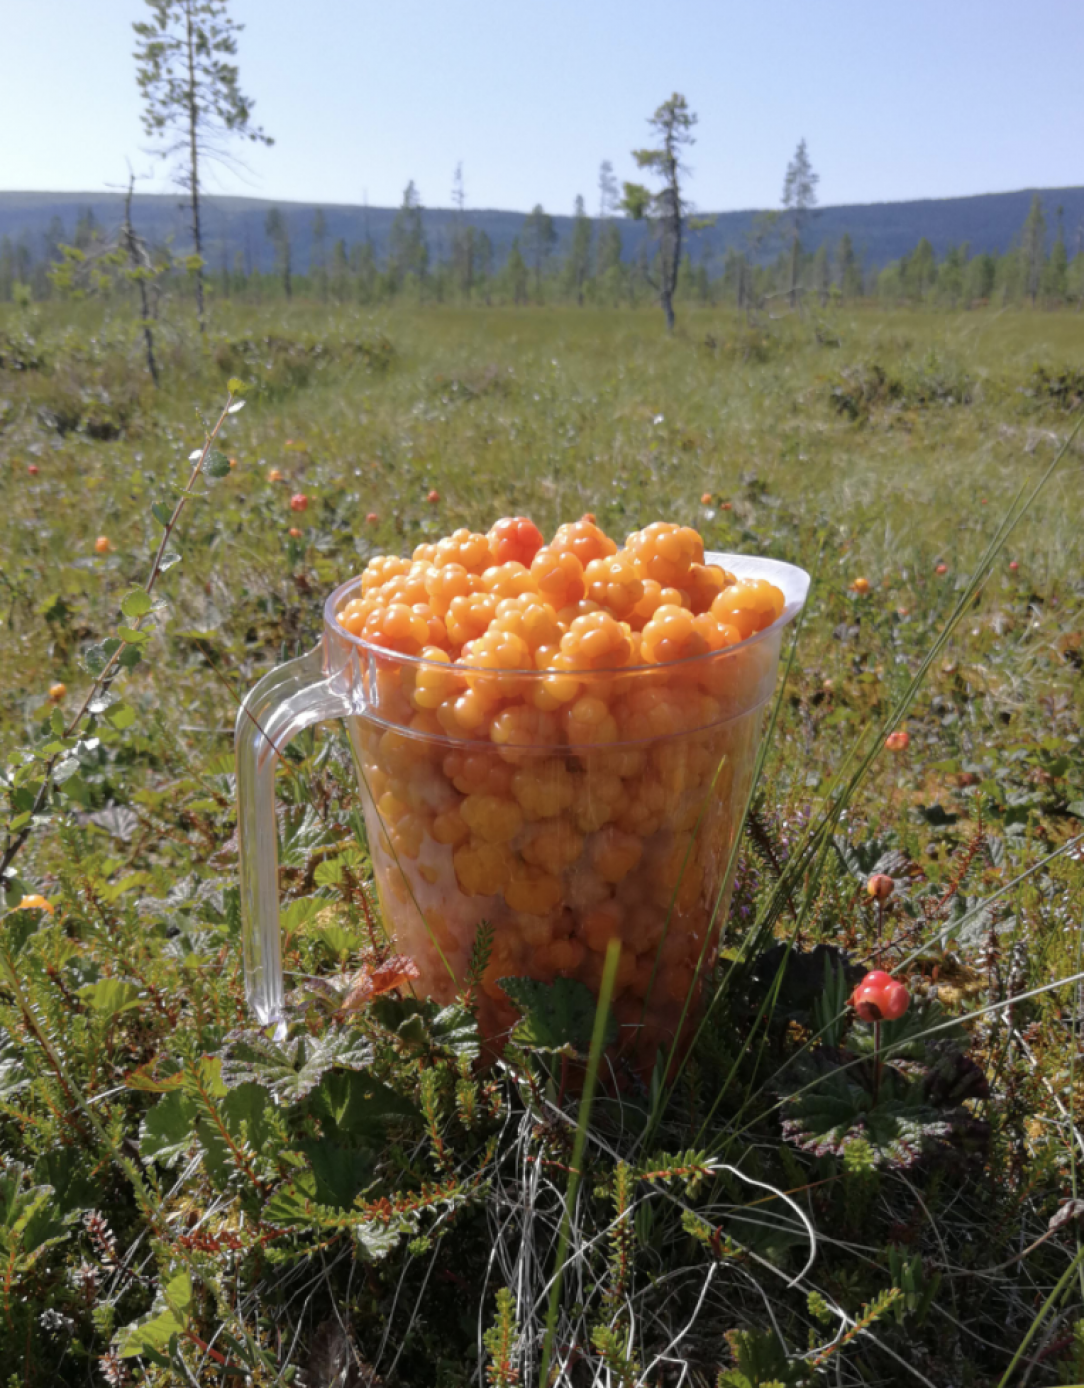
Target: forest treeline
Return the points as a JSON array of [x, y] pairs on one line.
[[595, 265]]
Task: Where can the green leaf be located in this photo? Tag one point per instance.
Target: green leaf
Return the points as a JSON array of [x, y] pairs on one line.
[[133, 635], [358, 1105], [1075, 807], [110, 996], [216, 464], [162, 513], [165, 1134], [341, 1173], [135, 604], [245, 1112], [292, 1069], [236, 386], [120, 716], [557, 1016], [129, 658]]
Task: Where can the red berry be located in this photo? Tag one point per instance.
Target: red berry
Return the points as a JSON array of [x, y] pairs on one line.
[[1013, 565], [299, 502], [294, 533], [896, 1001], [32, 468], [515, 539], [880, 886], [880, 998], [726, 506], [899, 741], [705, 500], [372, 518], [941, 569], [433, 497]]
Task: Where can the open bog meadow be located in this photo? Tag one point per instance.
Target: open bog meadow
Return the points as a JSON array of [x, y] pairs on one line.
[[805, 1195]]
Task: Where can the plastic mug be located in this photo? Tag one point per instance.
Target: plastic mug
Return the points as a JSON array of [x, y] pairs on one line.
[[559, 831]]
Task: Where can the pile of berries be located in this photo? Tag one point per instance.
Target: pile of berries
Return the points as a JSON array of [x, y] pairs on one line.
[[551, 758]]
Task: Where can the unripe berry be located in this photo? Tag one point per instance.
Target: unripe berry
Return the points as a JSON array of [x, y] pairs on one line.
[[57, 692], [32, 469], [294, 533], [274, 475], [233, 462], [433, 497], [941, 569], [371, 518], [899, 741], [102, 545], [35, 902], [861, 586], [299, 502], [880, 886], [705, 500], [1013, 566]]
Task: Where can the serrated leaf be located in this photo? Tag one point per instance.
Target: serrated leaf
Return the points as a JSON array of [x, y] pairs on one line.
[[135, 604], [166, 1132], [358, 1105], [292, 1069], [244, 1110], [216, 464], [557, 1016]]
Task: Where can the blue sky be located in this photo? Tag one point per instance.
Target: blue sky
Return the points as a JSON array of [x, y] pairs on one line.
[[895, 100]]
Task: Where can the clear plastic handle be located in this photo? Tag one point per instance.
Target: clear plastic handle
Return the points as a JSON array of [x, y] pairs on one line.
[[290, 698]]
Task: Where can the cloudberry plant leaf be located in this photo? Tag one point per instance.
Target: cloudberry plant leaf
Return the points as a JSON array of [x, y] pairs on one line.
[[557, 1016], [110, 996], [165, 1134], [358, 1105], [292, 1069]]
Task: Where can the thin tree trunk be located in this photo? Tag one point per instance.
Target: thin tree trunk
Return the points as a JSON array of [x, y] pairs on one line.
[[134, 260], [193, 159]]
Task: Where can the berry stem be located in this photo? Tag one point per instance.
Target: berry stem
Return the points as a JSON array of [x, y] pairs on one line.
[[876, 1060]]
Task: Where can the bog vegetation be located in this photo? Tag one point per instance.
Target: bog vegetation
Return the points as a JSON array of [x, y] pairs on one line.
[[812, 1197]]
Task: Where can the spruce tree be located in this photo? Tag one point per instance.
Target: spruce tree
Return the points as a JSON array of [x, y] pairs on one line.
[[1033, 249], [799, 200]]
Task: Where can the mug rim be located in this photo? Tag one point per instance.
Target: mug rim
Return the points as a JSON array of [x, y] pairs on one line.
[[796, 591]]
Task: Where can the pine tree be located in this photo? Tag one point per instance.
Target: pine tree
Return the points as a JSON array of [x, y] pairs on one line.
[[191, 98], [1033, 249], [665, 208], [799, 200]]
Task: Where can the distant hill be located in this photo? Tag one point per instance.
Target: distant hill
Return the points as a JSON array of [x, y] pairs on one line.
[[881, 231]]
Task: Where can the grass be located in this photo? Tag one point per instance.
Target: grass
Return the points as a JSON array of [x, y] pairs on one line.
[[353, 1202]]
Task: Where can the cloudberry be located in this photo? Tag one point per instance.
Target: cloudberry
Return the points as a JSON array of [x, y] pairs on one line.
[[671, 634], [861, 586], [899, 741], [596, 641], [880, 998], [614, 585], [665, 552], [464, 547], [559, 576], [102, 545], [584, 539], [880, 886], [750, 605], [57, 692], [515, 537]]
